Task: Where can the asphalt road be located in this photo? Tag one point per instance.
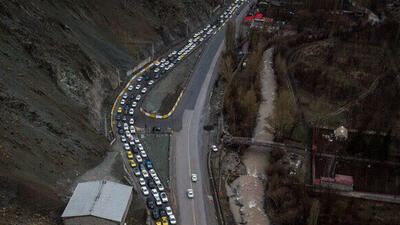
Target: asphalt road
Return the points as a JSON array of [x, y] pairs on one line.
[[188, 154]]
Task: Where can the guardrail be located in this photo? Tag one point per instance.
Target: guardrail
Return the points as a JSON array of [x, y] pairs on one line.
[[112, 122], [156, 116]]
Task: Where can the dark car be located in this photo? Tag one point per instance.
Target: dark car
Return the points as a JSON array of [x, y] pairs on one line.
[[154, 214], [157, 75], [146, 77], [134, 149], [124, 118], [150, 203], [119, 124], [132, 96], [126, 111], [129, 102], [148, 164], [156, 129], [163, 212], [151, 183], [141, 166], [120, 131], [118, 117]]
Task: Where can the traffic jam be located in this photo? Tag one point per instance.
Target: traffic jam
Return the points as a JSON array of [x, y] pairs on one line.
[[142, 166]]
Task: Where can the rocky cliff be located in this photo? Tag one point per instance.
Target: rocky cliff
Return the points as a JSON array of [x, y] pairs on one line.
[[61, 64]]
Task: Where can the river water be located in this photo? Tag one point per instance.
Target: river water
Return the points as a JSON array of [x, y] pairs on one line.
[[247, 191]]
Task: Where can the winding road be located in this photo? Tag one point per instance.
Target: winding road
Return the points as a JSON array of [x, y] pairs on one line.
[[188, 153]]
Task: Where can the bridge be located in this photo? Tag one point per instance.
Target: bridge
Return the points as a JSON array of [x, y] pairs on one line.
[[230, 140]]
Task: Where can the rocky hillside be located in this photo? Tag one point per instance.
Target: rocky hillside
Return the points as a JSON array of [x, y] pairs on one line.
[[61, 64]]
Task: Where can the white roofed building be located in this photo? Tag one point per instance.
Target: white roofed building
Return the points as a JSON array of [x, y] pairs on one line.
[[98, 203]]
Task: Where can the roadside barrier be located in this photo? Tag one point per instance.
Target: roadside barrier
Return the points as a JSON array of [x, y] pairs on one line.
[[112, 122], [152, 115]]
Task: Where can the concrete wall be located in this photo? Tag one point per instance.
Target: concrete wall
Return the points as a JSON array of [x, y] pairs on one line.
[[88, 220], [138, 66]]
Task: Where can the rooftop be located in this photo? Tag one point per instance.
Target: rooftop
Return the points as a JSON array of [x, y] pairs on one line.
[[103, 199]]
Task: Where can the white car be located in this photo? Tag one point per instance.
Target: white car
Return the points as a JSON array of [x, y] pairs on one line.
[[132, 129], [126, 127], [145, 173], [131, 143], [131, 121], [167, 63], [125, 95], [136, 171], [157, 180], [158, 201], [138, 97], [142, 181], [164, 197], [128, 134], [172, 219], [156, 70], [173, 53], [123, 138], [150, 82], [191, 40], [130, 87], [155, 192], [161, 66], [123, 102], [194, 177], [214, 148], [157, 63], [214, 27], [145, 191], [136, 140], [143, 154], [190, 193], [144, 90], [131, 111], [137, 87], [160, 187], [139, 158], [126, 147], [139, 78], [168, 210], [134, 104], [140, 146], [163, 60], [152, 173]]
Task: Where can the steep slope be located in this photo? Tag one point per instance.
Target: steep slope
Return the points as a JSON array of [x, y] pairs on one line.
[[61, 64]]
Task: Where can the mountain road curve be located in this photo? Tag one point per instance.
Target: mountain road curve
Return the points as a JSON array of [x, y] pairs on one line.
[[188, 153]]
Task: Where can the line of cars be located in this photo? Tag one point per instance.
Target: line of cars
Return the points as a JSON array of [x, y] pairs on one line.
[[151, 186]]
